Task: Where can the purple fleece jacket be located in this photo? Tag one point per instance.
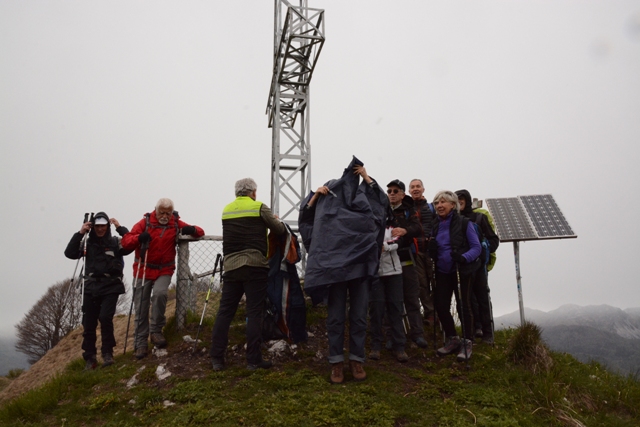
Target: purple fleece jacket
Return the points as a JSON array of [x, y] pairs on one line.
[[445, 263]]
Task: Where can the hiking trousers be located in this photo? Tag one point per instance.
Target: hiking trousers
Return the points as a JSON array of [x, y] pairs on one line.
[[446, 285], [357, 292], [154, 293], [386, 294], [252, 282], [424, 268], [96, 309]]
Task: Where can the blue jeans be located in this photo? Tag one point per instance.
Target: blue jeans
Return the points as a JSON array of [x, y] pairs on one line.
[[252, 282], [358, 291], [386, 293]]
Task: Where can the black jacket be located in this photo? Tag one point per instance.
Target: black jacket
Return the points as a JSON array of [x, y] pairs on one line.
[[405, 216], [426, 218], [480, 219], [104, 261]]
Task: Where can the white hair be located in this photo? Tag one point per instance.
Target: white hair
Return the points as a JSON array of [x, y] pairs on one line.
[[448, 196], [245, 187], [164, 203]]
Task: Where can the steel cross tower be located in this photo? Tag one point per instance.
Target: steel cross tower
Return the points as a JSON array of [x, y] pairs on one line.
[[298, 40]]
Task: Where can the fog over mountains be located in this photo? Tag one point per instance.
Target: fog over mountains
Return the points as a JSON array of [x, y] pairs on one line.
[[602, 333], [10, 358]]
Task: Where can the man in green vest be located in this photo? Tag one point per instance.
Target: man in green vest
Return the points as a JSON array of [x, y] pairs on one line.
[[244, 245]]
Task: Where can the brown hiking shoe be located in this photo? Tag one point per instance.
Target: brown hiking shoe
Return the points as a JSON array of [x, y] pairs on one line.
[[141, 353], [402, 356], [374, 355], [157, 339], [357, 371], [337, 373]]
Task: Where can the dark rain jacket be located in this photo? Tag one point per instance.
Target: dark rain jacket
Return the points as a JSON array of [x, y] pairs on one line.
[[104, 261], [480, 219], [343, 232]]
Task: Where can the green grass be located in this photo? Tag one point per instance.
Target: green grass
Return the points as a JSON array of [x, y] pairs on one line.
[[508, 385]]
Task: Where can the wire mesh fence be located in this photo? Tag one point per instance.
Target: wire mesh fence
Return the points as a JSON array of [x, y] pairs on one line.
[[196, 262]]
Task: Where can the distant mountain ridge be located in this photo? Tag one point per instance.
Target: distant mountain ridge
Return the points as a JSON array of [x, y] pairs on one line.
[[10, 358], [606, 334]]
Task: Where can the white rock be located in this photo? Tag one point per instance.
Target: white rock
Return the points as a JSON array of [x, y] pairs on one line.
[[133, 381], [167, 403], [160, 352], [187, 338], [310, 334], [162, 372], [278, 347]]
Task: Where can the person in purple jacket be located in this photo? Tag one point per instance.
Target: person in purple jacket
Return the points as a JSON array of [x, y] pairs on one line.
[[455, 249]]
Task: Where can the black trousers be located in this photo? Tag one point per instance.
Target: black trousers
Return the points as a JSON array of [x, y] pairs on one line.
[[447, 284], [251, 281], [98, 308]]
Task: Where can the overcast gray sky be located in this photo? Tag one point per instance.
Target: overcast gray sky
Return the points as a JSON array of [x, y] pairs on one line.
[[112, 105]]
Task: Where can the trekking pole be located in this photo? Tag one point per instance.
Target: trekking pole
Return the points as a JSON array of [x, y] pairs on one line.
[[73, 277], [493, 326], [464, 340], [405, 320], [206, 301], [139, 309], [133, 298], [433, 293], [84, 256]]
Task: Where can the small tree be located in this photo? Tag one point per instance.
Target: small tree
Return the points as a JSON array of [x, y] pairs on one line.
[[56, 314]]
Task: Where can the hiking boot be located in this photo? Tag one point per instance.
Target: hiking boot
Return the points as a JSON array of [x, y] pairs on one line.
[[141, 353], [158, 340], [465, 347], [107, 360], [402, 356], [217, 364], [421, 342], [337, 373], [374, 355], [357, 371], [264, 364], [453, 344], [479, 333], [91, 363]]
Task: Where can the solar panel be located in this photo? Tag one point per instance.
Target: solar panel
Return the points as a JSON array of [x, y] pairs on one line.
[[529, 218], [511, 220], [546, 217]]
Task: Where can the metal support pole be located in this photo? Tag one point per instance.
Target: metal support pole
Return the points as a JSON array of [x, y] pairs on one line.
[[516, 254]]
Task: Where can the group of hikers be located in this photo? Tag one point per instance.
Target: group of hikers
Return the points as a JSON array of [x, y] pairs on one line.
[[378, 258]]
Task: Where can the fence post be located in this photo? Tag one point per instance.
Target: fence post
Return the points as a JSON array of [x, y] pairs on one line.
[[182, 284]]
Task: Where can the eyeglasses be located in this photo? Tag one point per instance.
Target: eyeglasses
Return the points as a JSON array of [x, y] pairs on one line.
[[164, 213], [393, 190]]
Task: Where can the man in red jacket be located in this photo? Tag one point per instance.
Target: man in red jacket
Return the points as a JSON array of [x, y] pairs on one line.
[[154, 238]]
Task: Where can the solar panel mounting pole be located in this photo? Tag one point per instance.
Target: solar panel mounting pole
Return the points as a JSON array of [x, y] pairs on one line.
[[516, 254]]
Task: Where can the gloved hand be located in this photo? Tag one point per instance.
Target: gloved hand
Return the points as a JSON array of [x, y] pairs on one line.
[[144, 237], [432, 248], [188, 230], [457, 257]]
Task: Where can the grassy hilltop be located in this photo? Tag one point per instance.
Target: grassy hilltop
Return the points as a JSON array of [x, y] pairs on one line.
[[516, 383]]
